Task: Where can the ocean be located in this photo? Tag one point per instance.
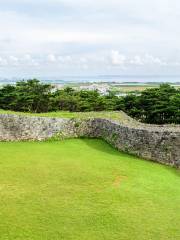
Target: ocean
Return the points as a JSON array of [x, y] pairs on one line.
[[103, 78]]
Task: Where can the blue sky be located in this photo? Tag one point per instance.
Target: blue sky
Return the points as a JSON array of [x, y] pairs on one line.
[[51, 38]]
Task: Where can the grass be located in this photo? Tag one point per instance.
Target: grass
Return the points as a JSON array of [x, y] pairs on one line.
[[66, 114], [132, 88], [118, 116], [84, 189], [135, 88], [114, 115]]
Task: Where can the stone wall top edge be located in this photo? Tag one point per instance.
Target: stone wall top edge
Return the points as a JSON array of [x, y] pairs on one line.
[[140, 126]]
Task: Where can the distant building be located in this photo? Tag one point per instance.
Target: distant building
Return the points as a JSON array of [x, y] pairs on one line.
[[101, 88]]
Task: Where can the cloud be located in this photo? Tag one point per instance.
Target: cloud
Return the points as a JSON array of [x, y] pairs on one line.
[[14, 60], [27, 57], [149, 59], [60, 36], [137, 60], [28, 60], [70, 34], [117, 58], [51, 58], [176, 64], [3, 62]]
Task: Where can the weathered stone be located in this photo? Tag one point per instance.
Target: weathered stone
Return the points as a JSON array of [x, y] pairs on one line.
[[157, 143]]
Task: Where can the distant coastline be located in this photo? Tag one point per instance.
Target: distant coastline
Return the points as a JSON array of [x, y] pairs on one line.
[[120, 79]]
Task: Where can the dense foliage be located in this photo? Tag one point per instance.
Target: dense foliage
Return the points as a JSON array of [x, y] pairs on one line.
[[157, 105]]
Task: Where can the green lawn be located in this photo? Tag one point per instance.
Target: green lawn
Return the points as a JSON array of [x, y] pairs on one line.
[[66, 114], [84, 189], [113, 115]]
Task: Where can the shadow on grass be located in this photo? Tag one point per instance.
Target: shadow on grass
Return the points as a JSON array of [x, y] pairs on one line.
[[103, 146]]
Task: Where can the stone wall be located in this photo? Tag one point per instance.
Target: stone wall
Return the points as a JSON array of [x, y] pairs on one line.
[[161, 144]]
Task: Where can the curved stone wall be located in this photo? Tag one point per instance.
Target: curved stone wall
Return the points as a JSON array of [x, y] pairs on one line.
[[160, 144]]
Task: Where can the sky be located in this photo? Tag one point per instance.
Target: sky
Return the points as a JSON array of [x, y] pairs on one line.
[[52, 38]]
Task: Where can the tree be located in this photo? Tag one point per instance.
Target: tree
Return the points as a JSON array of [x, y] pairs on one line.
[[157, 105], [28, 96]]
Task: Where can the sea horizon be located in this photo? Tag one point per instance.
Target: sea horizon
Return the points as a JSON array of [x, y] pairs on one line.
[[175, 79]]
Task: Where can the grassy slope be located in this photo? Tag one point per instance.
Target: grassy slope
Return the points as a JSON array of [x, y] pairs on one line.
[[66, 114], [118, 116], [84, 189]]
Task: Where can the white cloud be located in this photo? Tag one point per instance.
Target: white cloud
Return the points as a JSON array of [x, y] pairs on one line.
[[51, 58], [71, 36], [117, 58], [28, 60], [176, 64], [27, 57], [149, 59], [77, 33], [137, 60], [14, 60], [3, 62], [65, 59]]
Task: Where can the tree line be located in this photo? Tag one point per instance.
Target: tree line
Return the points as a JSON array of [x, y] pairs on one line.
[[156, 105]]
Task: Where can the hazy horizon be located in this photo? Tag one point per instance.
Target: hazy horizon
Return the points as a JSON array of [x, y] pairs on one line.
[[100, 78]]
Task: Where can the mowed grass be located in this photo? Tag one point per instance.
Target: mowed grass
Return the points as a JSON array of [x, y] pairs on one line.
[[85, 189], [116, 115]]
